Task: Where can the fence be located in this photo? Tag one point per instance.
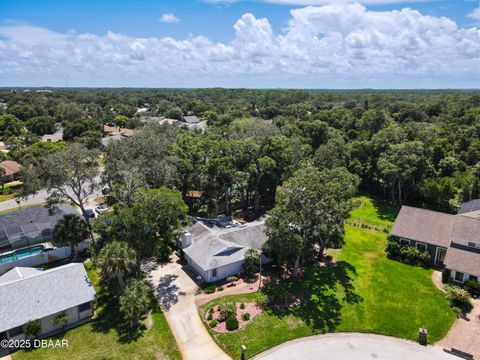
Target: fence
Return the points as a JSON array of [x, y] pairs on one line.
[[42, 258]]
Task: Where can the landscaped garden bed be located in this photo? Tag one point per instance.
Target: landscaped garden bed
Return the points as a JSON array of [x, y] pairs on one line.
[[244, 312], [364, 292]]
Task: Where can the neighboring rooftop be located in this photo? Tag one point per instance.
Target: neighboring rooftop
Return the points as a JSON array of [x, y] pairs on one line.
[[424, 225], [113, 130], [191, 119], [52, 137], [27, 294], [463, 259], [214, 246], [11, 167], [29, 222]]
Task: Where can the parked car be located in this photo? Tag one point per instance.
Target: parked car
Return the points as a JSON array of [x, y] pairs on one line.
[[101, 208], [90, 214]]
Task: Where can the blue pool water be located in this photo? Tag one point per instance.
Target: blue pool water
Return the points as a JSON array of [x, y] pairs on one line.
[[19, 254]]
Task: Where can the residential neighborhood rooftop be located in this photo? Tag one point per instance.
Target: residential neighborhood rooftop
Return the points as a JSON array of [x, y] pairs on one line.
[[215, 246], [429, 226], [30, 222], [28, 294], [11, 167]]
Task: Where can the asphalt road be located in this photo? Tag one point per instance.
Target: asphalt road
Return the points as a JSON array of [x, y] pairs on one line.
[[348, 346]]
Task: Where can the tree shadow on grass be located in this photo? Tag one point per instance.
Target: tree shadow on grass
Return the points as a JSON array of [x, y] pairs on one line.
[[110, 318], [318, 297], [386, 210]]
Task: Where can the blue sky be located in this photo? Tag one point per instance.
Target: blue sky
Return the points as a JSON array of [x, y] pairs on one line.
[[264, 43]]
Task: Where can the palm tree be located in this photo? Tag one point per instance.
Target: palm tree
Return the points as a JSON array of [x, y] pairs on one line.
[[116, 260], [71, 229]]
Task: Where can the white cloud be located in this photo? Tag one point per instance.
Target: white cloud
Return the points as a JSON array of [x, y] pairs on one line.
[[169, 18], [320, 2], [475, 14], [339, 45]]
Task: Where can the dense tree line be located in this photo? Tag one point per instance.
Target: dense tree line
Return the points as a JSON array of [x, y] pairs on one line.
[[411, 146]]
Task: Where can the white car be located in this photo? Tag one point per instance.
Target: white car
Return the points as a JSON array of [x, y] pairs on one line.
[[101, 208]]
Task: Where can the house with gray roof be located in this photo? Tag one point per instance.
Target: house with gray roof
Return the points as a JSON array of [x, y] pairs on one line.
[[30, 225], [216, 251], [452, 241], [28, 294]]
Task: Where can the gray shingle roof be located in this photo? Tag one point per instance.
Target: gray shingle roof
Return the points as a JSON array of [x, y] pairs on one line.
[[464, 260], [466, 229], [30, 222], [473, 205], [212, 248], [427, 226], [39, 294]]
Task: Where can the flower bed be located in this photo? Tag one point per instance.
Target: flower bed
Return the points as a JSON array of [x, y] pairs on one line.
[[251, 308]]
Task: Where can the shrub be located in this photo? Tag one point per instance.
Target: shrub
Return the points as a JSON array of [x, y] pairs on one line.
[[209, 316], [473, 287], [242, 306], [406, 253], [246, 316], [226, 310], [213, 323], [220, 288], [33, 328], [232, 278], [262, 300], [458, 297], [231, 323], [210, 289], [393, 249], [211, 310]]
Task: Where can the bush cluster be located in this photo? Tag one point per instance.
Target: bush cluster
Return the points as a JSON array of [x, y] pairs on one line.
[[232, 278], [213, 323], [407, 254], [473, 287], [210, 289], [232, 323], [227, 310], [246, 316], [459, 298]]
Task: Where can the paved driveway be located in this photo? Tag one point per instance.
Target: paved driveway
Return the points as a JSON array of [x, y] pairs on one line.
[[348, 346], [465, 333], [175, 292]]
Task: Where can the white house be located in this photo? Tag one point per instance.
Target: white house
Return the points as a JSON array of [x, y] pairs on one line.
[[216, 253], [28, 294]]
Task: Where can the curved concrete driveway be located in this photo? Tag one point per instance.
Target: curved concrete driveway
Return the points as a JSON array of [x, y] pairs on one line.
[[347, 346], [175, 292]]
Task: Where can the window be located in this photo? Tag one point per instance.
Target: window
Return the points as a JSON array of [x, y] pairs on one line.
[[16, 331], [471, 244], [214, 273], [85, 307], [458, 276], [404, 241], [421, 246]]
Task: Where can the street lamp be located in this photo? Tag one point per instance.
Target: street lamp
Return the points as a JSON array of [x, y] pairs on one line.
[[244, 348], [260, 273]]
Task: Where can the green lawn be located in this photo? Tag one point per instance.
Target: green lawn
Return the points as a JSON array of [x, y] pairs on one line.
[[366, 292], [104, 337]]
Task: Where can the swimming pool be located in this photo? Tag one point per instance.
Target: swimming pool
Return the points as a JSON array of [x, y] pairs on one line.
[[22, 253]]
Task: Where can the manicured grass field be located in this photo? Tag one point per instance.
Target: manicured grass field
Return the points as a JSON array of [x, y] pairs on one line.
[[366, 292], [104, 338]]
